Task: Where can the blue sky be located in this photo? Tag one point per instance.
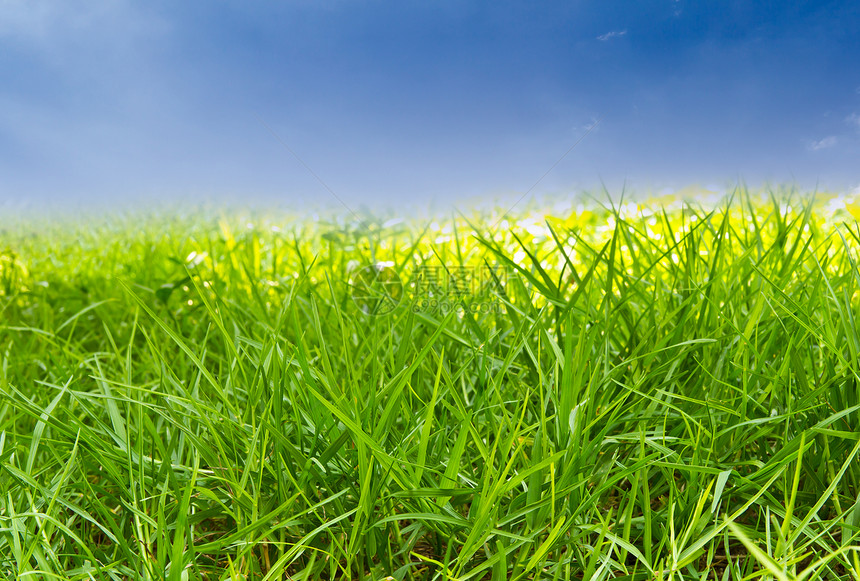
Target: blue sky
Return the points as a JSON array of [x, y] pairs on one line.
[[406, 102]]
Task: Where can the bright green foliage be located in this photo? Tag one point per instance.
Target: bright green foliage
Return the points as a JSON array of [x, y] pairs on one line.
[[633, 391]]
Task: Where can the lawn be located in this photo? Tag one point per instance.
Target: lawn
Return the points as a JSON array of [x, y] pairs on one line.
[[633, 390]]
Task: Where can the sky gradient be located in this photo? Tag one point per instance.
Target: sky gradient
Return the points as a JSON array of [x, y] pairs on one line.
[[403, 103]]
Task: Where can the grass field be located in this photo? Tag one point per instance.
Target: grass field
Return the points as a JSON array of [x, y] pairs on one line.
[[636, 391]]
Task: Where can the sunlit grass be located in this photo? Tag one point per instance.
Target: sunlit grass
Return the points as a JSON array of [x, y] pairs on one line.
[[638, 390]]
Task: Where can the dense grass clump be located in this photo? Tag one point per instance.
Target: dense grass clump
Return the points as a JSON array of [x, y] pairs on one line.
[[634, 391]]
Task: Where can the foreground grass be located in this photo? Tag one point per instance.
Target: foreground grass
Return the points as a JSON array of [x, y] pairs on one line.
[[638, 392]]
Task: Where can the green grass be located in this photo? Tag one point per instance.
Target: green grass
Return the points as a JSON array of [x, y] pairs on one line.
[[655, 391]]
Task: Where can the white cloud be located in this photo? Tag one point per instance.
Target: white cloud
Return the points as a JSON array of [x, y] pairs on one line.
[[23, 19], [103, 47], [828, 141], [37, 19], [55, 25], [99, 78], [854, 121], [593, 123], [611, 34]]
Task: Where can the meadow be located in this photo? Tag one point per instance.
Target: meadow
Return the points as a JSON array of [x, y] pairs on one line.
[[641, 390]]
